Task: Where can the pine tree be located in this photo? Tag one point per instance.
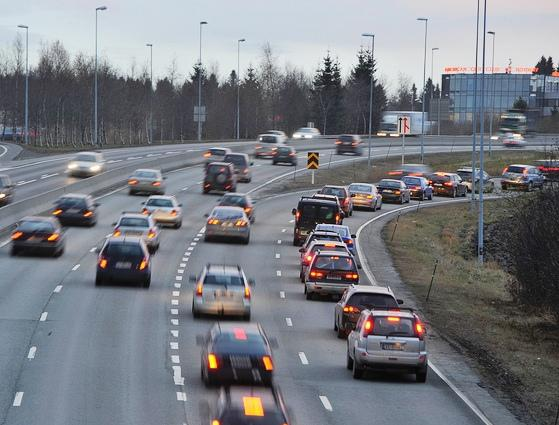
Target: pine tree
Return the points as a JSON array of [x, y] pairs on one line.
[[327, 96], [549, 66], [540, 66]]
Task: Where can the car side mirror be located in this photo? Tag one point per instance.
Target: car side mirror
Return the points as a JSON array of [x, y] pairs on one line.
[[180, 205], [192, 279], [301, 250], [352, 195], [251, 162], [114, 224], [294, 211], [359, 266], [399, 301], [342, 214], [206, 215], [164, 178], [96, 204], [143, 203], [353, 236], [252, 282]]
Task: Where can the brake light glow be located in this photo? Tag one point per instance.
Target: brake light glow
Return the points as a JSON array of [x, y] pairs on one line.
[[132, 181], [213, 221], [216, 422], [88, 213], [350, 309], [505, 170], [346, 201], [316, 274], [394, 173], [103, 263], [308, 259], [369, 196], [53, 237], [174, 213], [419, 329], [448, 184], [337, 217], [245, 171], [16, 235], [144, 263], [338, 142], [151, 234], [207, 154], [247, 292], [240, 223], [396, 192], [351, 276], [212, 361], [156, 184], [393, 319], [298, 215], [354, 143], [240, 334], [199, 289], [117, 232], [248, 210], [349, 242], [253, 406], [268, 364], [292, 154], [368, 327], [57, 212]]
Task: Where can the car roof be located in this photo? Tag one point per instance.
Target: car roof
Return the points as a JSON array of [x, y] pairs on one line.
[[334, 186], [327, 242], [223, 269], [74, 195], [519, 165], [334, 254], [228, 207], [236, 394], [249, 328], [220, 163], [219, 147], [390, 180], [326, 226], [392, 312], [318, 201], [370, 289], [51, 220], [364, 184], [324, 232], [126, 239], [443, 173], [169, 197], [237, 154], [150, 170], [89, 153], [133, 214]]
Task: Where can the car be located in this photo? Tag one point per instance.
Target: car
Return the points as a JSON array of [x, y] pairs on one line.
[[513, 140], [75, 208], [327, 198], [418, 170], [140, 225], [285, 155], [306, 133], [343, 195], [247, 405], [344, 233], [241, 164], [307, 253], [465, 174], [388, 339], [365, 195], [322, 235], [419, 187], [519, 176], [146, 181], [124, 259], [219, 176], [241, 200], [393, 190], [7, 191], [164, 209], [228, 223], [222, 290], [330, 273], [215, 155], [357, 298], [86, 164], [281, 134], [548, 167], [449, 184], [267, 144], [38, 234], [311, 211], [349, 143]]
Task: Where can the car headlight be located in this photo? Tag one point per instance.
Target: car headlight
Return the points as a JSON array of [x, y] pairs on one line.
[[2, 195], [95, 168], [72, 166]]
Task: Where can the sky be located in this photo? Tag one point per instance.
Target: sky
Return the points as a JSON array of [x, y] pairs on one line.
[[300, 32]]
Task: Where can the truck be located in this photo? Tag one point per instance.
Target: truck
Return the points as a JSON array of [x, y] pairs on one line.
[[512, 122], [389, 123]]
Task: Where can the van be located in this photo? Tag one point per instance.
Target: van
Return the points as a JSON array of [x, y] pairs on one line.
[[312, 211], [241, 164]]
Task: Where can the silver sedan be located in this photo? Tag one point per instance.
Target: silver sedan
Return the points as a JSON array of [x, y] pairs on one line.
[[146, 181], [228, 222], [164, 210]]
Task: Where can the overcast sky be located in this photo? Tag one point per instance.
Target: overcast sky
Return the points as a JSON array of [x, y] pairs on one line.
[[299, 31]]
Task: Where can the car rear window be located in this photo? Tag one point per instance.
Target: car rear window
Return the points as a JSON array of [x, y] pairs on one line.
[[226, 214], [165, 203], [343, 231], [368, 300], [134, 222], [224, 280], [217, 169], [514, 169], [412, 181], [340, 193], [71, 202], [334, 262], [30, 226], [393, 326], [124, 250], [237, 201], [439, 179], [235, 159], [284, 150], [360, 188], [145, 174], [389, 184], [311, 212], [465, 175], [268, 139], [346, 139]]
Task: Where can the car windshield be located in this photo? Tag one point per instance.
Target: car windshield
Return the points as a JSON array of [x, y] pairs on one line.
[[412, 181], [165, 203], [346, 139], [284, 150], [223, 280], [389, 184], [238, 340], [368, 300], [85, 158], [336, 191], [235, 159], [314, 212], [227, 214], [393, 326], [71, 202], [327, 262], [238, 201], [465, 175], [360, 188], [31, 226], [133, 222], [515, 169], [146, 174], [124, 249]]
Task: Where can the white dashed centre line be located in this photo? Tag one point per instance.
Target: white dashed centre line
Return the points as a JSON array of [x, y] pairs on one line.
[[288, 321], [196, 239], [43, 316], [176, 293], [181, 396], [77, 266], [282, 294], [58, 289], [279, 241], [93, 249], [278, 273], [184, 259], [283, 230], [188, 254], [17, 399], [190, 248], [174, 345], [182, 265], [175, 333], [46, 176], [193, 244], [180, 271], [174, 302], [32, 351], [175, 311], [175, 322], [303, 358], [178, 277], [184, 189], [278, 255], [23, 182], [292, 221], [325, 402], [178, 285], [134, 157], [175, 359]]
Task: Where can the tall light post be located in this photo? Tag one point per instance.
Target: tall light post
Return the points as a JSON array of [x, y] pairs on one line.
[[241, 40], [26, 28], [492, 91], [200, 84], [432, 82], [423, 100], [474, 115], [95, 108], [372, 36], [480, 248], [150, 45]]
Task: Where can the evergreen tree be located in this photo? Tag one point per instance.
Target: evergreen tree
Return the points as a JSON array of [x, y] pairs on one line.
[[520, 104], [549, 66], [327, 96]]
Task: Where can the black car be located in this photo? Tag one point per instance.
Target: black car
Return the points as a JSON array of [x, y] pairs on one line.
[[6, 190], [239, 200], [124, 259], [219, 176], [249, 406], [284, 154], [349, 143], [312, 211], [236, 353], [76, 208], [393, 190], [449, 184], [419, 187], [38, 234]]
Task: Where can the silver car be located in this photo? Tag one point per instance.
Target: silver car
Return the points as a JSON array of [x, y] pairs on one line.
[[138, 224], [164, 210], [222, 290], [86, 164], [228, 222], [146, 181], [388, 339], [241, 164]]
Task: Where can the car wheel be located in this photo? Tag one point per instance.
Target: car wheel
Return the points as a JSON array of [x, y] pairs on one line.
[[58, 252], [246, 240], [295, 241], [178, 225], [195, 313], [335, 323], [246, 317], [274, 162], [301, 277], [349, 361], [357, 371], [147, 282], [431, 196], [380, 206], [421, 375], [309, 295], [132, 192]]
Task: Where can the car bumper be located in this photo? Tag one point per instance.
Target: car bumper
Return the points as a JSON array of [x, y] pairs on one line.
[[37, 246], [146, 188], [515, 183], [418, 194], [348, 149], [219, 307], [252, 375], [387, 197], [166, 218], [443, 191], [123, 275], [82, 172], [327, 287], [76, 219], [389, 360], [226, 231], [363, 202]]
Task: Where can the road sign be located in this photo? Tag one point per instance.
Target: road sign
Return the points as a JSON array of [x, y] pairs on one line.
[[404, 124], [312, 161], [200, 113]]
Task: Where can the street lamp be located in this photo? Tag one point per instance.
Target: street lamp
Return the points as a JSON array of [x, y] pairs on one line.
[[492, 91], [480, 247], [423, 101], [366, 34], [432, 83], [242, 40], [95, 119], [200, 85], [26, 28], [150, 92]]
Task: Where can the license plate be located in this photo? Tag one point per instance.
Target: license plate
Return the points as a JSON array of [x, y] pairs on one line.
[[72, 210], [123, 265], [438, 185], [334, 277], [392, 346], [386, 191]]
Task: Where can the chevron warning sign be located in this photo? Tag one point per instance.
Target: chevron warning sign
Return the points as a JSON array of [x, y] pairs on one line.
[[312, 161]]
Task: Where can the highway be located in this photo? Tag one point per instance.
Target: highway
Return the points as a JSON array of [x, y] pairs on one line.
[[74, 354]]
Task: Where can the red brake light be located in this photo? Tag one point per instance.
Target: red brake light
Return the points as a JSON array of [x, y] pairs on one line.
[[346, 201], [145, 211], [207, 155], [16, 235], [351, 276], [174, 213], [117, 232], [151, 234], [245, 171], [448, 184], [393, 319], [144, 263], [216, 422], [199, 289], [308, 259], [132, 181], [368, 327], [53, 237], [212, 361], [316, 274], [103, 263], [88, 213], [213, 221], [338, 142], [248, 210], [57, 212], [268, 364], [240, 223], [247, 292], [156, 184], [297, 215], [419, 329], [350, 309]]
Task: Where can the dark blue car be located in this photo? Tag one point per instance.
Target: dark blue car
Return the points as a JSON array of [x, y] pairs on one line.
[[419, 187]]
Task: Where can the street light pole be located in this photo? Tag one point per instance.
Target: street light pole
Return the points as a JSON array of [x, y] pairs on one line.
[[242, 40], [200, 85], [474, 115], [482, 131], [95, 108], [26, 82], [371, 92], [423, 101], [492, 92], [432, 83], [150, 45]]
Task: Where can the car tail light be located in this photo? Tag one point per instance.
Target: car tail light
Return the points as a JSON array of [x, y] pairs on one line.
[[143, 263], [369, 196], [132, 181], [199, 288], [216, 422], [346, 201], [396, 192], [525, 171], [349, 242], [368, 327], [350, 309], [16, 235], [292, 154], [207, 155], [245, 171], [430, 182], [338, 142], [213, 221], [268, 364], [337, 217], [419, 329], [156, 184], [448, 184], [308, 259], [247, 293], [316, 274], [240, 223], [174, 213], [87, 213], [297, 215], [57, 212], [393, 319], [248, 210], [145, 211], [103, 262], [117, 232], [394, 173], [506, 169], [53, 237], [212, 361], [354, 143], [151, 234], [352, 276]]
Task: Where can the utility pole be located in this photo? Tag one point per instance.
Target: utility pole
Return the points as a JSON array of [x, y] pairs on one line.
[[372, 36], [26, 82], [150, 140], [423, 101], [95, 141], [242, 40], [200, 85], [481, 136]]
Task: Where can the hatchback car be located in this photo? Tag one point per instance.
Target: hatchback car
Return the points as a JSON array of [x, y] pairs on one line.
[[323, 235], [146, 181], [140, 225], [393, 190], [6, 190], [465, 174], [419, 187], [215, 155], [307, 253], [228, 223], [357, 298], [285, 155], [449, 184], [38, 234], [365, 195], [330, 273], [74, 208], [391, 339], [222, 290], [240, 200], [86, 164], [526, 177], [343, 231], [266, 145], [241, 164], [342, 193], [124, 259], [349, 143], [219, 176], [306, 133], [164, 210], [311, 211]]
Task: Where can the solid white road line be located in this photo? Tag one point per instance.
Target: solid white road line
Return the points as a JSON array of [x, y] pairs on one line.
[[17, 399], [43, 316], [278, 273], [282, 294], [303, 358], [58, 288], [93, 249], [77, 266], [283, 230], [325, 402], [4, 243], [32, 351], [288, 321]]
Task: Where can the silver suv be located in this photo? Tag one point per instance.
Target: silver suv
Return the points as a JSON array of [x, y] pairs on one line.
[[386, 339]]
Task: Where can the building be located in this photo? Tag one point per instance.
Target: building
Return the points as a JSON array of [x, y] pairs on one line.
[[502, 90]]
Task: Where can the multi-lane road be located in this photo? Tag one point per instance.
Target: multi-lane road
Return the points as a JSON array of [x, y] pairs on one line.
[[72, 353]]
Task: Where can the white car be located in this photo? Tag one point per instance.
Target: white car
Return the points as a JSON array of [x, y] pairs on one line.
[[283, 137], [511, 140], [306, 133], [86, 164], [267, 144]]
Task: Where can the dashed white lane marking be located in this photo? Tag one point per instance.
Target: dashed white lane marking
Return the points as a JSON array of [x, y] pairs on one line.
[[77, 266], [43, 316], [32, 351], [184, 259], [178, 285], [283, 230], [175, 311], [174, 302], [177, 375], [114, 161], [196, 239], [150, 155], [174, 345], [181, 396], [325, 402], [278, 255], [279, 241], [182, 265], [46, 176], [176, 293], [93, 249], [200, 235], [184, 189], [178, 277], [24, 182], [193, 244], [187, 254], [17, 399], [171, 152], [58, 289], [288, 321], [282, 294], [109, 235], [175, 322], [200, 182], [175, 359], [180, 271], [175, 333], [134, 157], [190, 248], [278, 273], [303, 358]]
